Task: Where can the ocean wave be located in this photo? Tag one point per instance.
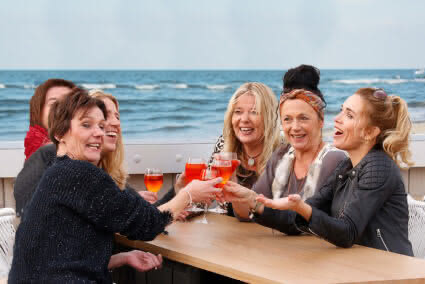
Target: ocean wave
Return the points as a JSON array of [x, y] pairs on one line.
[[29, 86], [421, 80], [218, 87], [147, 87], [370, 81], [2, 86], [172, 128], [180, 86], [98, 86]]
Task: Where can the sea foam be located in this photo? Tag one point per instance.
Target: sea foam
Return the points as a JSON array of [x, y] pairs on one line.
[[99, 86], [147, 87]]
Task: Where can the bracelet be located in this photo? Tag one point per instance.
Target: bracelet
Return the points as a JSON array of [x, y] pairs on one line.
[[252, 211], [190, 197]]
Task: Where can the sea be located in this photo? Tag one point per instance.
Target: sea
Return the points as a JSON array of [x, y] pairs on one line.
[[189, 105]]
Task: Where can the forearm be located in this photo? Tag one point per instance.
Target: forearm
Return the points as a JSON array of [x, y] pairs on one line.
[[166, 198], [304, 209], [339, 231], [281, 220], [177, 204], [117, 260]]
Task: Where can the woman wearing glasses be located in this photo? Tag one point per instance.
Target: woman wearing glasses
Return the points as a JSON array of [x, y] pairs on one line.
[[364, 201], [304, 164]]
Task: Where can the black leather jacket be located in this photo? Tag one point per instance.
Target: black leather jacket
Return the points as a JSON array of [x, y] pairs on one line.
[[365, 205]]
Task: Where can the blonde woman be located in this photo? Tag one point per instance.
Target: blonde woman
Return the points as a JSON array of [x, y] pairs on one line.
[[364, 201], [250, 130]]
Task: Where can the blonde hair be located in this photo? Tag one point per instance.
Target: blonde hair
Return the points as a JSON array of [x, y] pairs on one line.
[[113, 162], [391, 116], [265, 105]]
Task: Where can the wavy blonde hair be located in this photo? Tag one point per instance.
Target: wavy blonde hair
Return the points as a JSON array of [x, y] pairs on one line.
[[113, 162], [265, 105], [391, 116]]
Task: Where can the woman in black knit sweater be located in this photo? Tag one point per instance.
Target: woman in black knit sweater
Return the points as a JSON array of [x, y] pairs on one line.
[[68, 230]]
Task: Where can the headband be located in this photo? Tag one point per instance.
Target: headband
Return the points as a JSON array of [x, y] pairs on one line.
[[312, 99]]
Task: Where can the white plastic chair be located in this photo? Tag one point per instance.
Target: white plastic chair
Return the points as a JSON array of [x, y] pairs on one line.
[[417, 226], [7, 239]]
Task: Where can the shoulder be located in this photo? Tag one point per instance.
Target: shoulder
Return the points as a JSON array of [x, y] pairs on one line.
[[376, 168], [333, 156], [76, 171], [219, 144]]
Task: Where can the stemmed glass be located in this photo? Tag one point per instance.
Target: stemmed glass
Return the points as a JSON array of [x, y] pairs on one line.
[[193, 169], [208, 174], [153, 179]]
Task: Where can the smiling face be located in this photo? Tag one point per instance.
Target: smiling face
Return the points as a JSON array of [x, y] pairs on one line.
[[84, 138], [301, 125], [247, 123], [53, 94], [350, 124], [112, 126]]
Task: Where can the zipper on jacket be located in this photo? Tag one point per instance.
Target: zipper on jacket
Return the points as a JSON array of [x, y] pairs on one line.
[[378, 233]]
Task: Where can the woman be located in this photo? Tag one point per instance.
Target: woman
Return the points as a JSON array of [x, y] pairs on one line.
[[68, 230], [250, 130], [364, 201], [307, 161], [44, 96]]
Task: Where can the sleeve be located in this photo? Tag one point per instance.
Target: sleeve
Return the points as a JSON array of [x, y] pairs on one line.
[[374, 185], [167, 197], [96, 197], [281, 220], [28, 178], [218, 147], [265, 181]]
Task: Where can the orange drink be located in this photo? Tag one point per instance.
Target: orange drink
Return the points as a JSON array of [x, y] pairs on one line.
[[153, 182], [153, 179], [224, 167], [194, 168], [235, 164]]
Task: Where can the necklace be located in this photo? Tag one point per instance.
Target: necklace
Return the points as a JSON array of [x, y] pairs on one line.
[[251, 160]]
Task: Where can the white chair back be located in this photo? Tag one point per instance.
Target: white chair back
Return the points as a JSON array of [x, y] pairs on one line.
[[7, 239], [417, 226]]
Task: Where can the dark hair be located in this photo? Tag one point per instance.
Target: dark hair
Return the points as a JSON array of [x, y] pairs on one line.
[[305, 77], [39, 98], [63, 111]]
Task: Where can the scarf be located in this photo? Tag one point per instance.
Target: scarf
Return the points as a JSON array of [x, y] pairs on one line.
[[35, 138], [285, 167]]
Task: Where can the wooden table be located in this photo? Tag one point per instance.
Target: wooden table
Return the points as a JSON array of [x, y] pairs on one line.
[[255, 254]]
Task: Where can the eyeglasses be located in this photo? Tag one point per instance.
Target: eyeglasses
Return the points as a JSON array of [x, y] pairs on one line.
[[380, 94]]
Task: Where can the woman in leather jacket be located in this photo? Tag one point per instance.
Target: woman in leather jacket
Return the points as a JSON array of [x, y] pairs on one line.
[[364, 202]]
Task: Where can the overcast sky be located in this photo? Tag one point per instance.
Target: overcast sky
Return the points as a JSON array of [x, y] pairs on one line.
[[219, 34]]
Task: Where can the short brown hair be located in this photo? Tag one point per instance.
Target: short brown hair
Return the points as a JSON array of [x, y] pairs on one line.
[[63, 112], [39, 98]]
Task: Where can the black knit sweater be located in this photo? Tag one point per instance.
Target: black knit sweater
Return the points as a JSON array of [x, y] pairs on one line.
[[68, 230]]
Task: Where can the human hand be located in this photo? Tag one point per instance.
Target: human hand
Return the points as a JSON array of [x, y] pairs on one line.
[[182, 216], [143, 261], [291, 202], [139, 260], [150, 197], [180, 181], [203, 191], [234, 192]]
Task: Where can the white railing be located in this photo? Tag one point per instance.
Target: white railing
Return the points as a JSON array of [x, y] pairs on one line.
[[171, 158]]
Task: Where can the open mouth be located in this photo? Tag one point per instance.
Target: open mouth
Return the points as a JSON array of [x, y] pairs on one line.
[[338, 132], [94, 146], [298, 136], [246, 130], [111, 134]]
